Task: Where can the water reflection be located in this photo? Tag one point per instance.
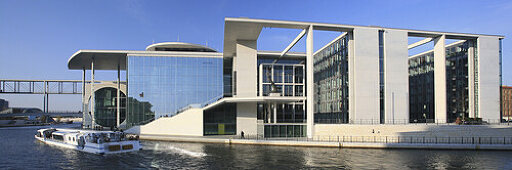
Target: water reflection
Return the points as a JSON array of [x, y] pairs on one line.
[[19, 150]]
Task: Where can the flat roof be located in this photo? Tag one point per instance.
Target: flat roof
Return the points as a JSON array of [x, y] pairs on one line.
[[110, 59], [249, 29], [179, 45]]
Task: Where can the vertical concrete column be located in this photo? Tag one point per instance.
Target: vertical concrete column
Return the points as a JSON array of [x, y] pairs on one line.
[[488, 78], [275, 112], [396, 77], [246, 68], [310, 119], [118, 104], [364, 94], [92, 103], [440, 79], [246, 86], [471, 78], [83, 96], [351, 87], [260, 78], [45, 97]]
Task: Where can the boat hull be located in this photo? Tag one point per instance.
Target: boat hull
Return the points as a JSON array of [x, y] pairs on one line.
[[96, 148]]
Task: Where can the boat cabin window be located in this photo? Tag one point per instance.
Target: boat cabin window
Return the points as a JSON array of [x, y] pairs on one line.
[[58, 137]]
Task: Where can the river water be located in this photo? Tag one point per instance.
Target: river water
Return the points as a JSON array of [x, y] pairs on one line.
[[19, 150]]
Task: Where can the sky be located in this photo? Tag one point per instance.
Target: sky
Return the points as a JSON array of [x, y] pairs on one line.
[[38, 37]]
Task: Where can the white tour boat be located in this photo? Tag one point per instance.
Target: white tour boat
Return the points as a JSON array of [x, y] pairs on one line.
[[98, 142]]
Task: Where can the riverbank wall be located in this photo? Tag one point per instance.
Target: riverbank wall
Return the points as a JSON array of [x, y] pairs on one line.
[[333, 144]]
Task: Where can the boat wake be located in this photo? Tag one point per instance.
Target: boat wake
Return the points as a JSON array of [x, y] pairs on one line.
[[157, 147]]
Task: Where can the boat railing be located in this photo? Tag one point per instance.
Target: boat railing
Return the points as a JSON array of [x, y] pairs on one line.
[[100, 138]]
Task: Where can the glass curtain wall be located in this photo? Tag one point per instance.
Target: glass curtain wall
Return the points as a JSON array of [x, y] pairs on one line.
[[162, 86], [421, 85], [288, 78], [228, 77], [286, 113], [105, 105], [220, 120], [331, 83], [457, 82], [282, 119], [421, 88]]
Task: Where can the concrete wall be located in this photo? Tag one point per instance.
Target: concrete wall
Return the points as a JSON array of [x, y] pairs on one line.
[[246, 68], [413, 130], [246, 119], [489, 80], [364, 74], [396, 73], [188, 123]]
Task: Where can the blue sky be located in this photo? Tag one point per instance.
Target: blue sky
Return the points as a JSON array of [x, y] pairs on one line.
[[38, 37]]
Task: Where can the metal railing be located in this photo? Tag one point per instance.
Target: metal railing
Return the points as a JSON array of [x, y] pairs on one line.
[[491, 140], [412, 122]]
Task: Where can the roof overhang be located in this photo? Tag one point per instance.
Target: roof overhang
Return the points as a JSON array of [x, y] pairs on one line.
[[110, 59], [249, 29], [153, 47], [103, 60]]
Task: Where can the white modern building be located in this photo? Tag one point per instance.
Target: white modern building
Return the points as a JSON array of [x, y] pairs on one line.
[[364, 76]]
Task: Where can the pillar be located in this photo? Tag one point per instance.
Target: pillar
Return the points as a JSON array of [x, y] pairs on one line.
[[440, 79], [92, 103], [310, 119], [396, 76], [118, 104], [488, 78], [364, 95]]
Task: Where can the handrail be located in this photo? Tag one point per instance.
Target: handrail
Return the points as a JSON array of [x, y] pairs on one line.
[[490, 140]]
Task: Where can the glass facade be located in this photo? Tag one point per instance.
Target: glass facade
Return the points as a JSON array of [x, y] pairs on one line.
[[162, 86], [285, 113], [228, 77], [421, 89], [288, 78], [421, 84], [285, 131], [105, 105], [457, 96], [281, 119], [331, 83], [220, 120]]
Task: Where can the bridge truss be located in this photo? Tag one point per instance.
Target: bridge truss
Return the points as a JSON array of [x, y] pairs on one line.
[[44, 87]]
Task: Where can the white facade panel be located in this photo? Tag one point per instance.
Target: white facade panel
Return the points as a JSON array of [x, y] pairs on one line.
[[188, 123], [246, 119], [396, 83], [364, 71], [246, 69], [488, 78]]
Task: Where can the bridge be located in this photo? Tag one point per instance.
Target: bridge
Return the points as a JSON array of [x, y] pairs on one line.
[[51, 114], [44, 87]]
